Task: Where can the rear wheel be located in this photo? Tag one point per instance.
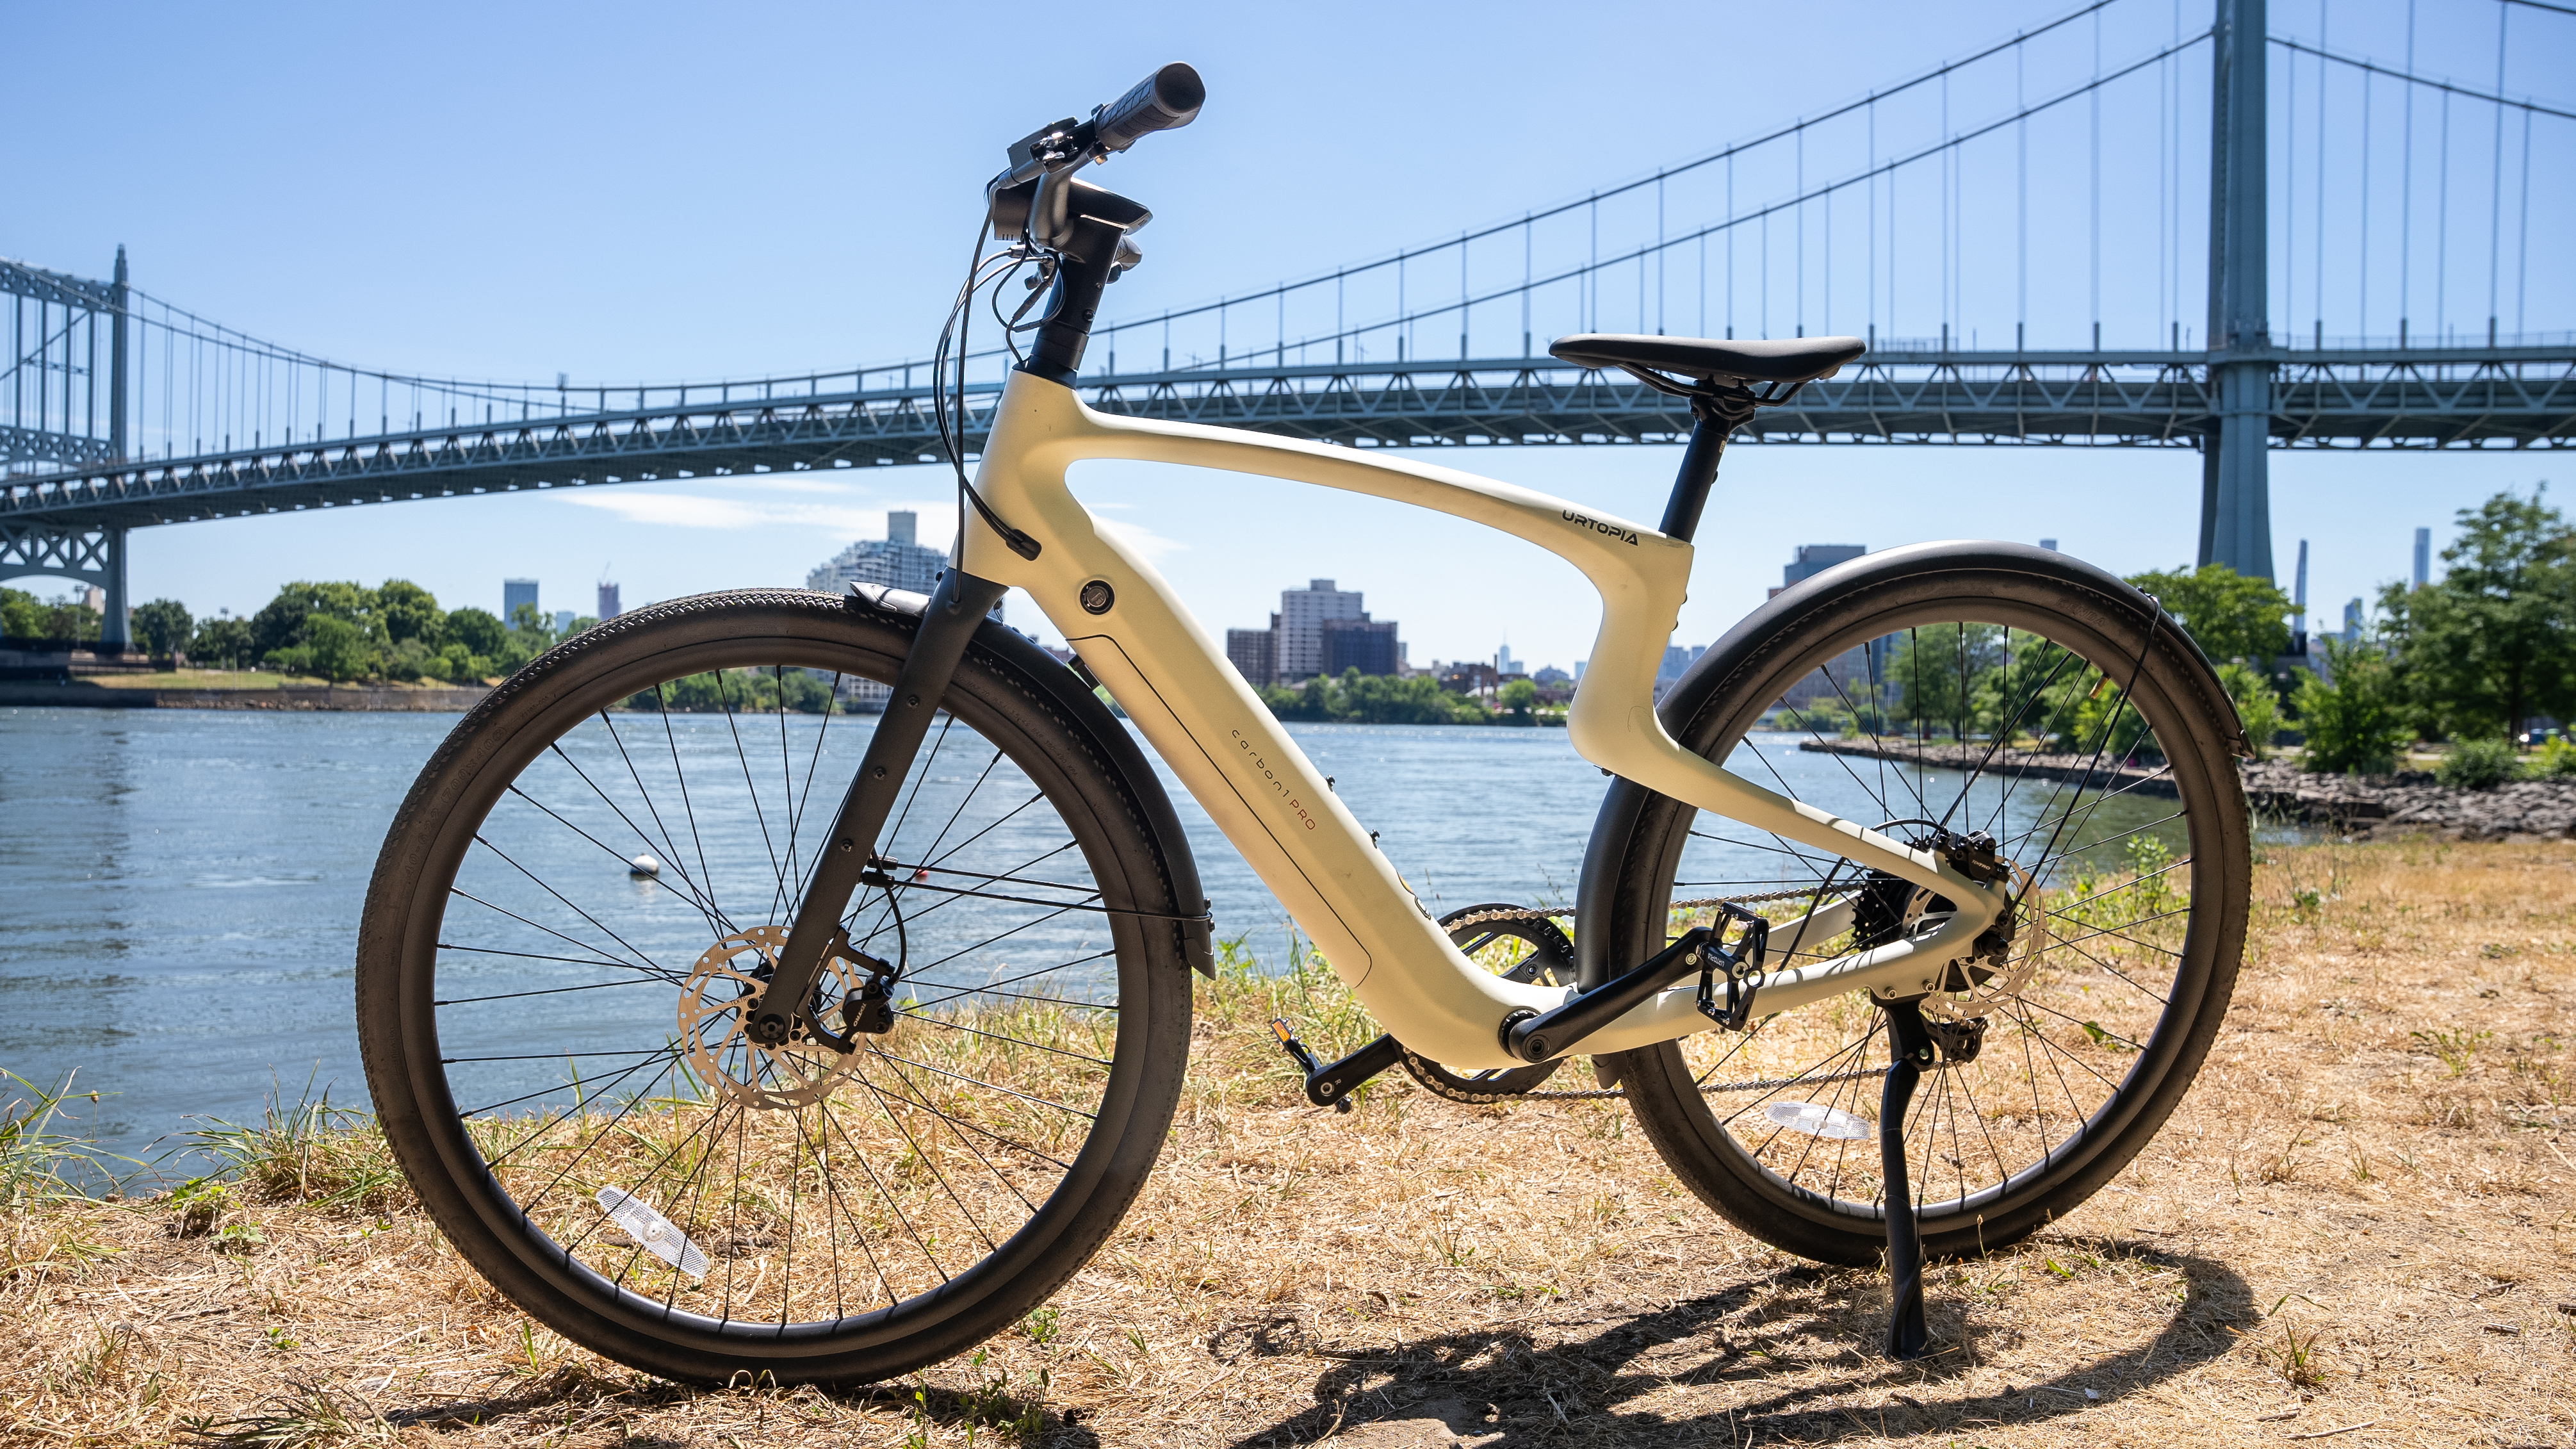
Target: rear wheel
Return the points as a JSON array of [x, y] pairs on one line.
[[1950, 690], [589, 883]]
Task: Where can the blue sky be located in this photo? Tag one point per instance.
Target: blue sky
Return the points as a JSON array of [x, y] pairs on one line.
[[656, 192]]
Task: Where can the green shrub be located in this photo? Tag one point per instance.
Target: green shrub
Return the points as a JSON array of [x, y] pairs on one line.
[[2258, 708], [2554, 760], [2357, 724], [2478, 765]]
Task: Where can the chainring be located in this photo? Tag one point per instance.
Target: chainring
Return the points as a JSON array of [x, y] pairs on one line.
[[1549, 962]]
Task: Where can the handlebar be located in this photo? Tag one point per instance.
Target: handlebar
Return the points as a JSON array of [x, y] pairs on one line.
[[1166, 100]]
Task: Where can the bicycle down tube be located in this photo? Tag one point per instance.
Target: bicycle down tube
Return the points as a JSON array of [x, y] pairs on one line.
[[1116, 612]]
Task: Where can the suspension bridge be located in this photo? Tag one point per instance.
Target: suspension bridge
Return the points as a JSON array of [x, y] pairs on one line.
[[2211, 197]]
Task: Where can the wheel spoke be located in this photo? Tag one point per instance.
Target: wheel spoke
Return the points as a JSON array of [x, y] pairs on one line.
[[779, 1189]]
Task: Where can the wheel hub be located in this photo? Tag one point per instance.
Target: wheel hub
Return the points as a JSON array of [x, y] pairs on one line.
[[717, 1006], [1890, 908]]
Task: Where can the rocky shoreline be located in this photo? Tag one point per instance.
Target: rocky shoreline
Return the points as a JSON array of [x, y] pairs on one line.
[[289, 698], [2410, 801], [2361, 806]]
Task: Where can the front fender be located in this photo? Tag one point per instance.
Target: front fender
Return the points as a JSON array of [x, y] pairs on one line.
[[1049, 676]]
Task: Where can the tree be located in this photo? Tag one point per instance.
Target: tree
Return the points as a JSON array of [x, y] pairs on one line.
[[163, 627], [2494, 642], [2357, 724], [479, 630], [341, 651], [410, 612], [2258, 705], [21, 617], [531, 633], [1519, 699], [1357, 698], [222, 641], [2230, 615], [281, 624]]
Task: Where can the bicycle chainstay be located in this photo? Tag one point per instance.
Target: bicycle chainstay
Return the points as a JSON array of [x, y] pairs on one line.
[[1486, 1099]]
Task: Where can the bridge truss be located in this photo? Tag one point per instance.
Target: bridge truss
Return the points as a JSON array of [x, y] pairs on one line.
[[2514, 397], [224, 425]]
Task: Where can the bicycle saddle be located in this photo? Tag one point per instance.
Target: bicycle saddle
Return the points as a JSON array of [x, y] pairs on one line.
[[1782, 360]]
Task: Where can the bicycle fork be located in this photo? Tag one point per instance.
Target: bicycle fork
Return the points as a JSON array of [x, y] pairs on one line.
[[957, 608]]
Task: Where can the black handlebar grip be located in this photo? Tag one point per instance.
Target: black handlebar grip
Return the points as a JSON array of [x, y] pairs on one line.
[[1167, 99]]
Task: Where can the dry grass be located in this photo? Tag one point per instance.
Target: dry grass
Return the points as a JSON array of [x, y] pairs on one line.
[[2361, 1216]]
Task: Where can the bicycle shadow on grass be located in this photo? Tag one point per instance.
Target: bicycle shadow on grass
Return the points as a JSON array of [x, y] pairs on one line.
[[1491, 1389], [312, 1412]]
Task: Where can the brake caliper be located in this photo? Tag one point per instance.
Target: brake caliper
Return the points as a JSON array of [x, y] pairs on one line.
[[1974, 855]]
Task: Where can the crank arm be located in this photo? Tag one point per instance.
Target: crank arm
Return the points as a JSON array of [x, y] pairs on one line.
[[1898, 969], [956, 610], [1330, 1084]]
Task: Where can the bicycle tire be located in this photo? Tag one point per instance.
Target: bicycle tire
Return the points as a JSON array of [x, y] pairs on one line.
[[1758, 1156], [849, 1300]]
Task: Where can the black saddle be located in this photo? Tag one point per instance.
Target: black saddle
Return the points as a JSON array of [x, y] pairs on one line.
[[1789, 361]]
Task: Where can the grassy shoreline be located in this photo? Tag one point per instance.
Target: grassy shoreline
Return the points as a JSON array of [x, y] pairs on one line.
[[2364, 1213]]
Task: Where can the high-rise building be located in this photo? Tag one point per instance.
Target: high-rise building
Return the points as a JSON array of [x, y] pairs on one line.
[[1366, 645], [1319, 629], [1254, 653], [2423, 557], [1302, 613], [897, 561], [515, 592], [1505, 665], [2299, 604], [609, 608], [563, 621], [1814, 558]]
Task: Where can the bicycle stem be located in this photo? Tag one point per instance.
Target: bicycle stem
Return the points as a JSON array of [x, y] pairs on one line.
[[956, 610]]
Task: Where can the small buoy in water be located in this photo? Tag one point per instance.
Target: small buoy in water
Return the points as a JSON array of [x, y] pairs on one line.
[[644, 867]]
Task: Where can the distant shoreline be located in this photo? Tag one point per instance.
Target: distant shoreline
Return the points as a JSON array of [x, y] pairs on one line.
[[296, 699]]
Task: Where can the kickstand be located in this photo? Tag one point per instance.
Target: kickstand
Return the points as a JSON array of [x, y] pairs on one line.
[[1911, 1044]]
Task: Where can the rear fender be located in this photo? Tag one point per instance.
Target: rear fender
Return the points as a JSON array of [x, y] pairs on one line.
[[1694, 710]]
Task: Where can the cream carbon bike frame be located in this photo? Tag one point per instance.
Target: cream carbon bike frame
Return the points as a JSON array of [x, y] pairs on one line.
[[1174, 682], [1027, 530]]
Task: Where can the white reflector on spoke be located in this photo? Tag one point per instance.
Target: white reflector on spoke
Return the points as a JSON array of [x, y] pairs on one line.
[[1817, 1120], [655, 1233]]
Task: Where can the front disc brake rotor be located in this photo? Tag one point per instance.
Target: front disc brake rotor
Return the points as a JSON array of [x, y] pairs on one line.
[[718, 1000]]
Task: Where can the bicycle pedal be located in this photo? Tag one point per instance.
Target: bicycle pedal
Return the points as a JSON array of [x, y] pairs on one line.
[[1295, 1049], [1331, 1084]]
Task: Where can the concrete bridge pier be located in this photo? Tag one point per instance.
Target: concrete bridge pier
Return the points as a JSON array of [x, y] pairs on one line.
[[2235, 489]]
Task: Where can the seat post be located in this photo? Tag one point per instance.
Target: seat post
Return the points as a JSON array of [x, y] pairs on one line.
[[1699, 465]]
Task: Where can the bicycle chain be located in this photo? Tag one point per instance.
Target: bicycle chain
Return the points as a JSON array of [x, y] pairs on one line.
[[1540, 914], [1487, 1099]]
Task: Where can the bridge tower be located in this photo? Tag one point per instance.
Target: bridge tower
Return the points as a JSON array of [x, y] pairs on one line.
[[2235, 488], [54, 408]]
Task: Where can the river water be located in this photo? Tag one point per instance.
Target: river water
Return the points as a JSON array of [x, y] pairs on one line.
[[180, 890]]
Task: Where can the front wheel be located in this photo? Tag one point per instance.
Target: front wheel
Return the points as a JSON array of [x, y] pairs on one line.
[[582, 896], [1936, 693]]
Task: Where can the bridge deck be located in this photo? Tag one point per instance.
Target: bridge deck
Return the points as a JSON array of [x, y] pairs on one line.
[[2505, 397]]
